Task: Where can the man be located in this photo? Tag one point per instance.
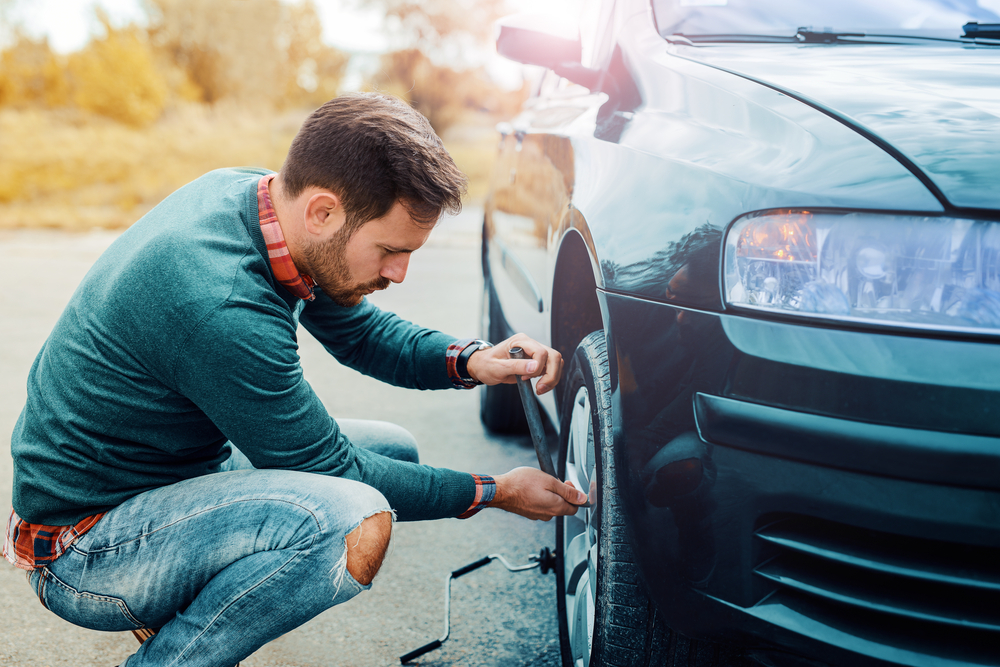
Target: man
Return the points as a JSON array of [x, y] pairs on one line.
[[174, 474]]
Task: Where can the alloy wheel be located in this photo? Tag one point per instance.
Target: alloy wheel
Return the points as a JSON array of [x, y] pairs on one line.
[[580, 532]]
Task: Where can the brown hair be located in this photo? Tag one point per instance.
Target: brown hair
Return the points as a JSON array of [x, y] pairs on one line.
[[374, 150]]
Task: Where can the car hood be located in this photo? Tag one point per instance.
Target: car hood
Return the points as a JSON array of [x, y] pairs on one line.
[[937, 105]]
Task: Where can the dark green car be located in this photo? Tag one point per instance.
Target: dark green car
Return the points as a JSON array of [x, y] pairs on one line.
[[766, 238]]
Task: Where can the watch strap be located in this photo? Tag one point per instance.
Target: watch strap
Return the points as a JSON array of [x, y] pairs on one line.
[[462, 362]]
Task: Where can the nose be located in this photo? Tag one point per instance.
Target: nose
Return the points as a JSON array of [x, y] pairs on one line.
[[395, 267]]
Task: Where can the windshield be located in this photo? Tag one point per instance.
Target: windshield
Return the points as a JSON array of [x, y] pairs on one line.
[[784, 17]]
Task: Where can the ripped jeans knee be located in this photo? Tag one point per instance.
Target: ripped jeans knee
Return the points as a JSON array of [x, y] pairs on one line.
[[223, 563], [367, 545]]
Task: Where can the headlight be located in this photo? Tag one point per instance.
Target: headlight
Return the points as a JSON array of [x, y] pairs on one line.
[[924, 272]]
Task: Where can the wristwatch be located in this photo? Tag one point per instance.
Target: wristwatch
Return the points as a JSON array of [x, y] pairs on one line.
[[462, 363]]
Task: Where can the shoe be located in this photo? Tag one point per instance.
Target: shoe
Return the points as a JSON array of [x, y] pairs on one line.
[[144, 633]]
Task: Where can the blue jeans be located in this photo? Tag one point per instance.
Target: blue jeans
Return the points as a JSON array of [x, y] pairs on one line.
[[222, 563]]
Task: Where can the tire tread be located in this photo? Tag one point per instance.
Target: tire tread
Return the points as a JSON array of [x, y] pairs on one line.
[[640, 638]]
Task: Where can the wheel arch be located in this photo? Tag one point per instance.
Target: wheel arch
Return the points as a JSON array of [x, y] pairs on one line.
[[575, 309]]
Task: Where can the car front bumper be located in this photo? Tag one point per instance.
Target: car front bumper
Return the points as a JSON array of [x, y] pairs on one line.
[[831, 495]]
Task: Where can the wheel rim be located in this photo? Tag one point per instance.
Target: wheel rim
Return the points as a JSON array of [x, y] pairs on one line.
[[580, 532]]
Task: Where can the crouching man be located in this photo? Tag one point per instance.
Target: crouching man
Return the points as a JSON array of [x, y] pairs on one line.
[[174, 473]]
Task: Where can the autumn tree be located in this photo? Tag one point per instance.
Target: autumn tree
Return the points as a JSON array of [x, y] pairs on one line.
[[313, 69], [260, 51], [437, 67], [30, 73], [446, 30], [115, 76], [442, 94]]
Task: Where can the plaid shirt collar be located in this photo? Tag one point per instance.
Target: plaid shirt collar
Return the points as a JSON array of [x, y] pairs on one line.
[[284, 269]]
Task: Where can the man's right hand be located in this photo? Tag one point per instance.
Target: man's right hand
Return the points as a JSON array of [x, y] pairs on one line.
[[536, 495]]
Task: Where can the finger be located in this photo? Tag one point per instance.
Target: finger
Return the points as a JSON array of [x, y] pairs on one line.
[[545, 356], [532, 351], [568, 509], [571, 494], [513, 368], [503, 370], [553, 371], [541, 359]]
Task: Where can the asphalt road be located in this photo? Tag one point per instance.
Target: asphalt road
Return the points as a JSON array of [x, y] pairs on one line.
[[498, 618]]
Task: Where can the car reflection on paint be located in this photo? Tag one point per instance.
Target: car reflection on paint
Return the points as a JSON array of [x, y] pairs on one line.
[[766, 238]]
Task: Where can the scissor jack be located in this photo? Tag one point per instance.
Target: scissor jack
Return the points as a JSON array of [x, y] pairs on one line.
[[545, 561]]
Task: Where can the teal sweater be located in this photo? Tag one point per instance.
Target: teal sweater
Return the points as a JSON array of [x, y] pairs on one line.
[[178, 342]]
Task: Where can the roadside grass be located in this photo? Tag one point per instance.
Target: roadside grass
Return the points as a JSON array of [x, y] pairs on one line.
[[64, 169]]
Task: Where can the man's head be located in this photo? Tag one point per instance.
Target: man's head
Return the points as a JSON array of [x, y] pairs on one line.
[[365, 180]]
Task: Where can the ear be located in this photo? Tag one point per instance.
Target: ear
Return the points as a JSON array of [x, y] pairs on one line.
[[323, 214]]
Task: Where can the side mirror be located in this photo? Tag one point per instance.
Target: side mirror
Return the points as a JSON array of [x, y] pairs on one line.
[[537, 39], [545, 41]]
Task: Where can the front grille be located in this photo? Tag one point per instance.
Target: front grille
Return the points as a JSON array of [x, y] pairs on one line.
[[911, 595]]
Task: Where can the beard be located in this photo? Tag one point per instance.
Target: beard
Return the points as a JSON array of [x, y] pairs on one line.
[[330, 271]]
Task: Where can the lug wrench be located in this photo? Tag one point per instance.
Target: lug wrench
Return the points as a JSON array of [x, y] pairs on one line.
[[545, 560], [534, 419]]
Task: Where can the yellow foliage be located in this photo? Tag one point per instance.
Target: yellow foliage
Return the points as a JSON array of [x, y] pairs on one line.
[[116, 77], [68, 170], [73, 171], [264, 52], [267, 53], [311, 71], [97, 138], [30, 73], [180, 86], [226, 46]]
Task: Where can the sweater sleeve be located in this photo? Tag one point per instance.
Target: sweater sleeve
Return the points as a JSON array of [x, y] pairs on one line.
[[380, 344], [240, 366]]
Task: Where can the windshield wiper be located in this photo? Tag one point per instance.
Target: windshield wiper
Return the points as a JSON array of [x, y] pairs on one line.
[[681, 38], [976, 30], [809, 36], [801, 36]]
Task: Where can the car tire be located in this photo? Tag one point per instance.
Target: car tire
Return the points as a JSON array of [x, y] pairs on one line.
[[500, 407], [605, 614]]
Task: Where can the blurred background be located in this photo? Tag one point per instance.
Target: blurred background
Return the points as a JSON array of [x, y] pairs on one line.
[[107, 106]]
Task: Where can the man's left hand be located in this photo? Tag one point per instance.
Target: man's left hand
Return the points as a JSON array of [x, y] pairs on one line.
[[494, 365]]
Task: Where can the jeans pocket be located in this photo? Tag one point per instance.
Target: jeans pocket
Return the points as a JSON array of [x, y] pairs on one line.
[[85, 609]]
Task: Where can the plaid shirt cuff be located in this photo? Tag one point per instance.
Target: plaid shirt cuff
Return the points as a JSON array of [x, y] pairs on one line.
[[486, 489], [451, 359]]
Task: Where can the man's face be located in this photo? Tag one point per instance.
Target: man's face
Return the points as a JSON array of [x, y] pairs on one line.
[[349, 266]]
